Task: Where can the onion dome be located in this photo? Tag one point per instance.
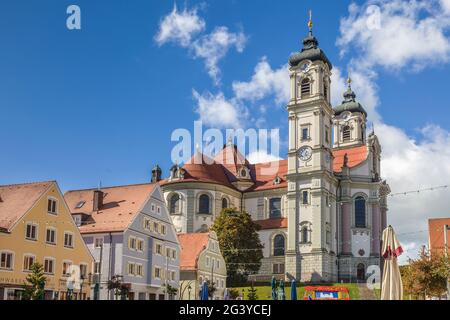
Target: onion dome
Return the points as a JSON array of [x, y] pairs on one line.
[[349, 104], [310, 50]]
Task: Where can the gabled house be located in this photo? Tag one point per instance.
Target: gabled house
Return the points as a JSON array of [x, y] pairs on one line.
[[36, 227], [131, 236]]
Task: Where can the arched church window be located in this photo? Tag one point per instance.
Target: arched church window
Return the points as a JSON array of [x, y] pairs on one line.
[[275, 208], [174, 204], [346, 133], [360, 212], [325, 91], [224, 203], [305, 88], [278, 245], [304, 234], [203, 204]]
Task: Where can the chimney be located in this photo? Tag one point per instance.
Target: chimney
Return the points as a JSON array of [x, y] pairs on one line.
[[98, 200], [156, 174]]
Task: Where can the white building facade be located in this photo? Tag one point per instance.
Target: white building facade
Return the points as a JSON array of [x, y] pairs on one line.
[[321, 211]]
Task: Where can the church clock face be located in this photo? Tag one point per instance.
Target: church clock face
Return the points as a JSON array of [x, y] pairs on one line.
[[305, 153], [304, 67]]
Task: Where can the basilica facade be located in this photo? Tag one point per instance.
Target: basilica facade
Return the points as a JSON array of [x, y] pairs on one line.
[[322, 210]]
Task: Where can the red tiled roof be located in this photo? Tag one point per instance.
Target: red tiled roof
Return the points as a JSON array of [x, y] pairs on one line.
[[356, 156], [17, 199], [265, 173], [277, 223], [192, 244], [120, 205]]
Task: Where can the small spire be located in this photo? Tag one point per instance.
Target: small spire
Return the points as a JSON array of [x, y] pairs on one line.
[[310, 23], [349, 79]]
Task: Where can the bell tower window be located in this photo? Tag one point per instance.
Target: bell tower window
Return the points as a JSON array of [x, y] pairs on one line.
[[325, 91], [305, 88], [346, 134]]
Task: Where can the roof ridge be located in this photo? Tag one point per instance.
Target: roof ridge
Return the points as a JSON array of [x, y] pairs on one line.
[[112, 187], [26, 183]]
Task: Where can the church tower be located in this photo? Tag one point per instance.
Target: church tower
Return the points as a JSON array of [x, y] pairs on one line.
[[311, 245]]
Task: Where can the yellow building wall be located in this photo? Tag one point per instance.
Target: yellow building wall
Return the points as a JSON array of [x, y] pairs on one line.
[[19, 245]]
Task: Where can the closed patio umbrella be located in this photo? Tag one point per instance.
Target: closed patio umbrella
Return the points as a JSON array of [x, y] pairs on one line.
[[293, 290], [274, 288], [391, 284], [204, 293]]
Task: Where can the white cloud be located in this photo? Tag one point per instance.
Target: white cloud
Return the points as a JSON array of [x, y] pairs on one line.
[[446, 6], [264, 82], [408, 33], [179, 27], [214, 46], [217, 111], [407, 165], [261, 157], [186, 29]]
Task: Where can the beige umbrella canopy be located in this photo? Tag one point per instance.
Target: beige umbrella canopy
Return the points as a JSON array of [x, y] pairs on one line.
[[391, 285]]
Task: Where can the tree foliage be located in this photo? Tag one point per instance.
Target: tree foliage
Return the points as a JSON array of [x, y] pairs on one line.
[[426, 276], [239, 242], [252, 293], [35, 283]]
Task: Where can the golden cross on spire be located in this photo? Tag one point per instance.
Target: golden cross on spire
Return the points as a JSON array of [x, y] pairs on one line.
[[310, 23], [349, 80]]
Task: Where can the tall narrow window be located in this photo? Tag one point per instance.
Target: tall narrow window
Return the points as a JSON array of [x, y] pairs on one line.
[[203, 204], [224, 203], [52, 206], [305, 197], [346, 134], [174, 205], [305, 134], [275, 208], [325, 90], [31, 232], [278, 245], [360, 212], [304, 234], [305, 88], [6, 261]]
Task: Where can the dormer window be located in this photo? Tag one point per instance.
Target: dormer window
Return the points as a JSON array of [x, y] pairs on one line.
[[244, 173], [176, 172], [305, 88], [277, 180]]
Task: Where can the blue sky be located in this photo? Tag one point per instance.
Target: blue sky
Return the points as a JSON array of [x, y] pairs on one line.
[[100, 103]]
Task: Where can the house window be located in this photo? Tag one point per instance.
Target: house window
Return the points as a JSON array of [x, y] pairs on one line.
[[346, 134], [224, 203], [304, 234], [49, 265], [131, 268], [327, 135], [305, 88], [139, 270], [28, 261], [147, 224], [305, 197], [174, 254], [98, 242], [278, 268], [275, 208], [217, 264], [132, 243], [174, 205], [156, 227], [360, 212], [140, 245], [163, 229], [158, 249], [305, 133], [6, 260], [153, 207], [158, 209], [52, 206], [203, 204], [158, 273], [96, 267], [278, 245], [83, 271], [66, 268], [68, 240], [50, 236], [31, 231]]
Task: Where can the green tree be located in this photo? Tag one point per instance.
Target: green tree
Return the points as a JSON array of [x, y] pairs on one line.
[[35, 283], [252, 293], [427, 275], [240, 244], [171, 291], [120, 289]]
